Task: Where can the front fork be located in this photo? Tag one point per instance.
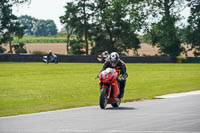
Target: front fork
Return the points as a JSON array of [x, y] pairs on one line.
[[107, 86], [115, 86]]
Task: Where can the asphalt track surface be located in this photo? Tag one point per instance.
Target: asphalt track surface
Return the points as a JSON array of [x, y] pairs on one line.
[[174, 115]]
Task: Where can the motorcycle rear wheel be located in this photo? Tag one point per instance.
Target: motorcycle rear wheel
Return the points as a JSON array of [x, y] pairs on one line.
[[103, 98]]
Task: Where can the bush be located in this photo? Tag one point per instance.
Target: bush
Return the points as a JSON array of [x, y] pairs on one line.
[[19, 48], [39, 52], [76, 47], [179, 59], [2, 49], [191, 60]]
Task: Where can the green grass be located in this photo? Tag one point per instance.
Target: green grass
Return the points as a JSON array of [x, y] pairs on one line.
[[33, 39], [48, 39], [36, 87]]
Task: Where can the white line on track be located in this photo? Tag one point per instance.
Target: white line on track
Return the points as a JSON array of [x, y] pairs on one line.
[[179, 94]]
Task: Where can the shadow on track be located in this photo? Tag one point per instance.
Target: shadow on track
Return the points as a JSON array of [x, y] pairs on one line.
[[120, 108]]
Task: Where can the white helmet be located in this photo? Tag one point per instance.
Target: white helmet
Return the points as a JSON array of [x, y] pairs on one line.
[[105, 53], [114, 58]]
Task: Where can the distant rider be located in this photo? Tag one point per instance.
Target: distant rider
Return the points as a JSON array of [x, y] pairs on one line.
[[49, 56], [115, 62], [103, 57]]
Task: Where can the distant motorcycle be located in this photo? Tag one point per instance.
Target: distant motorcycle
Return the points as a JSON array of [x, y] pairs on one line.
[[103, 57], [52, 58], [110, 88]]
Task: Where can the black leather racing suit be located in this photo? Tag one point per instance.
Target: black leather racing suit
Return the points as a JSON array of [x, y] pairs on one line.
[[49, 57], [121, 69]]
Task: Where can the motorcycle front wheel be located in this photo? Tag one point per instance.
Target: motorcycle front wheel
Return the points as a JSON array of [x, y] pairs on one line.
[[115, 105], [103, 98]]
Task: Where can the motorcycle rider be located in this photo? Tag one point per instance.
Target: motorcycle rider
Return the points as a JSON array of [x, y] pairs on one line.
[[103, 57], [115, 62], [49, 56]]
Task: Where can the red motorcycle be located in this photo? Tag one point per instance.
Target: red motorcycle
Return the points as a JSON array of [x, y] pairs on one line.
[[109, 87]]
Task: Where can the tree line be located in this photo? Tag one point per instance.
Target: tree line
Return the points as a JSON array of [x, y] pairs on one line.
[[12, 26], [37, 27], [114, 25]]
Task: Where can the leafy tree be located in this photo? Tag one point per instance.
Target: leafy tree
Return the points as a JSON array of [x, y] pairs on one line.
[[116, 23], [192, 31], [67, 32], [38, 27], [84, 8], [112, 24], [2, 49], [76, 47], [77, 17], [51, 26], [9, 26], [70, 20], [19, 48], [20, 1], [164, 33], [45, 28], [28, 22]]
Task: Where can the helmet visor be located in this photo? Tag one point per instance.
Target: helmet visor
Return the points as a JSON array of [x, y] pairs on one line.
[[113, 62]]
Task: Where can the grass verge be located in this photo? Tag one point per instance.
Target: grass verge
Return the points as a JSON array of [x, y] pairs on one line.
[[36, 87]]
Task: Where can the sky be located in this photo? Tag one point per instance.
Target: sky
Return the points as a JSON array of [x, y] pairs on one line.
[[53, 9], [43, 9]]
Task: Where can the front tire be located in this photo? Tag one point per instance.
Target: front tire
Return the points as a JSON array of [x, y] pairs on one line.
[[115, 105], [103, 98]]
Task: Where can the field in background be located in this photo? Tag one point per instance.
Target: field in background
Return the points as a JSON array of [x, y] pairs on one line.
[[37, 87], [60, 48]]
